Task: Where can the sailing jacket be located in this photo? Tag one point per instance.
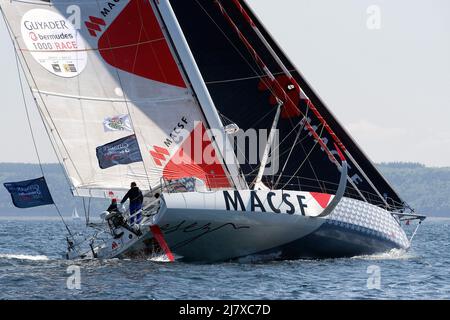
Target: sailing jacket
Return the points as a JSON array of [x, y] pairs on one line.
[[135, 196]]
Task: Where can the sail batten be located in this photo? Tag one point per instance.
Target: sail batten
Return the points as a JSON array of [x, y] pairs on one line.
[[105, 99]]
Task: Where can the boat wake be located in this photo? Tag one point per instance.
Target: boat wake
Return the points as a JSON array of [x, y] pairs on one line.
[[24, 257], [161, 258], [394, 254]]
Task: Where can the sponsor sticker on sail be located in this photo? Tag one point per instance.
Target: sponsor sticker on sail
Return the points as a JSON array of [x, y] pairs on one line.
[[117, 123], [54, 42]]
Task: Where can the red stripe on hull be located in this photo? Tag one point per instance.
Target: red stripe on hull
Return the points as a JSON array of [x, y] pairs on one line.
[[157, 233], [322, 198]]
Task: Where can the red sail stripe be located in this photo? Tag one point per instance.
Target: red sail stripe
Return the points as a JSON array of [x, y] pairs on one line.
[[135, 43], [193, 160]]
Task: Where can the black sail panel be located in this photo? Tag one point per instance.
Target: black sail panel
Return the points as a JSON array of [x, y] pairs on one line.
[[238, 86]]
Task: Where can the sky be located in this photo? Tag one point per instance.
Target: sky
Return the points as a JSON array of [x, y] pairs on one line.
[[382, 67]]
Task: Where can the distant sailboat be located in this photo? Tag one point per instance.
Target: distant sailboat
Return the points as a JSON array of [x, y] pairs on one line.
[[125, 93], [75, 216]]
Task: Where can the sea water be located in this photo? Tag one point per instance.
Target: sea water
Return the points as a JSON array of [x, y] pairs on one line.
[[32, 267]]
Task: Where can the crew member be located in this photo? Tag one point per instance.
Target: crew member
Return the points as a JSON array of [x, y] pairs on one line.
[[113, 206], [136, 199]]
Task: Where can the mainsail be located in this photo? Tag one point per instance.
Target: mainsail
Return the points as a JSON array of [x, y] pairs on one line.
[[104, 72], [237, 58]]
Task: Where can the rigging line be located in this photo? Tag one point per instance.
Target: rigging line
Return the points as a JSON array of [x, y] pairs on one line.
[[265, 157], [250, 65], [126, 100], [251, 126], [89, 210], [281, 176], [297, 143], [55, 147], [267, 114], [85, 211], [291, 151], [321, 186], [28, 115], [253, 169], [33, 136], [300, 123], [272, 84], [259, 76], [307, 155]]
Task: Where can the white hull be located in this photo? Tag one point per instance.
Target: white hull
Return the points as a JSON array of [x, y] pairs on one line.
[[212, 227], [210, 232]]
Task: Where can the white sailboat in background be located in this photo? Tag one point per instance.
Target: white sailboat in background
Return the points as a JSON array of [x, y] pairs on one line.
[[75, 216], [125, 90]]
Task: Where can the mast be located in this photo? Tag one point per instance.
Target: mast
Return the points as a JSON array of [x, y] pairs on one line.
[[268, 146], [201, 91]]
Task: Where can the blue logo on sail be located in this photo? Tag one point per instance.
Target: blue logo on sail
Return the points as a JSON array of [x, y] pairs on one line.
[[122, 151]]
